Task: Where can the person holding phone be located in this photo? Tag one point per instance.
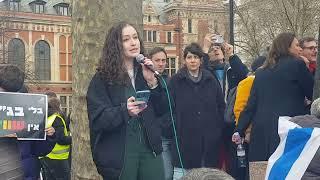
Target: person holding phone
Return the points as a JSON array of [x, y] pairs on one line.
[[220, 60], [228, 68], [125, 136]]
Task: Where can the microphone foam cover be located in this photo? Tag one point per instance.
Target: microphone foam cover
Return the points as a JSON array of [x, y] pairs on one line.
[[140, 58]]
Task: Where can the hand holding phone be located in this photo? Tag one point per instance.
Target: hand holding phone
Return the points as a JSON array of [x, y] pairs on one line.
[[218, 39], [134, 107], [143, 96]]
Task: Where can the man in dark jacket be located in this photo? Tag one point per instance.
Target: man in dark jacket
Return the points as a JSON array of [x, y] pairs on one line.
[[229, 70], [159, 58], [198, 109]]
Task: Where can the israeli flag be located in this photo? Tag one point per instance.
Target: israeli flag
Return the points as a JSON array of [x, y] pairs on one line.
[[295, 151]]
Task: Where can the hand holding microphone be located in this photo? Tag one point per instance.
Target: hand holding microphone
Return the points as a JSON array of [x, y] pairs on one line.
[[148, 71], [147, 63]]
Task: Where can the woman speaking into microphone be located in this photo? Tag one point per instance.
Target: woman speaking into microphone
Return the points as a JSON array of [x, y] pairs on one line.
[[125, 134]]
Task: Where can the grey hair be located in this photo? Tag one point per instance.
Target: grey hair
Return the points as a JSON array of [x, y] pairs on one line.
[[315, 108], [206, 174]]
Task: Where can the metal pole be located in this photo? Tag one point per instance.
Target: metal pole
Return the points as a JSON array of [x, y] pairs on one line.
[[231, 20]]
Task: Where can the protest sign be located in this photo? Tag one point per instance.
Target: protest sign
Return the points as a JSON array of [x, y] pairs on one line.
[[24, 114]]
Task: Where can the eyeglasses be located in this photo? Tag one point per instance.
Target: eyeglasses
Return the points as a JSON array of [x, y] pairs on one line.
[[311, 47], [215, 47]]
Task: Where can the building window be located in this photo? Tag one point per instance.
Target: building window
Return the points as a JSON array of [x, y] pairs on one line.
[[66, 104], [16, 53], [150, 36], [14, 5], [171, 68], [38, 6], [65, 58], [189, 25], [149, 18], [154, 36], [42, 60], [62, 9], [169, 37], [145, 35]]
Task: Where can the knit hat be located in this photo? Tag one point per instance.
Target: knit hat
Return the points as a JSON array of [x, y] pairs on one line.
[[257, 63], [315, 108], [11, 77]]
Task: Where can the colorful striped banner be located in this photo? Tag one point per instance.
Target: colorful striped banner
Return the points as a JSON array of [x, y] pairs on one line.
[[12, 125]]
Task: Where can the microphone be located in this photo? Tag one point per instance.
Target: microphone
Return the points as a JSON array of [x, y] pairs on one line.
[[140, 59]]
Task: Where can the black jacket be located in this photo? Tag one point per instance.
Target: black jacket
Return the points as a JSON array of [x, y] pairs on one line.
[[277, 91], [165, 119], [198, 109], [108, 117], [59, 136]]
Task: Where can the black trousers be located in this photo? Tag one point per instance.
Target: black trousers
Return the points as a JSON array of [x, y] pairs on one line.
[[53, 169]]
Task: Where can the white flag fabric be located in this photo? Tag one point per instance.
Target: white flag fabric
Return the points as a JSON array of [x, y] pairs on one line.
[[296, 149]]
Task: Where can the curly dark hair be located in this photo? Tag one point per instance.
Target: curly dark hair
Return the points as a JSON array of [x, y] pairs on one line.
[[112, 61]]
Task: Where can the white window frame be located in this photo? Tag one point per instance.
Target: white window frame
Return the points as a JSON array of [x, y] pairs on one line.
[[150, 36], [169, 67], [68, 104], [171, 38]]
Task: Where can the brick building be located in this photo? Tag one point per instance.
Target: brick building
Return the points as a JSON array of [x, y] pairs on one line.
[[173, 24], [37, 37], [157, 31]]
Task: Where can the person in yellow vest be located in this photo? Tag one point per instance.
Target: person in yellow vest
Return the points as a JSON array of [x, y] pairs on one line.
[[55, 165]]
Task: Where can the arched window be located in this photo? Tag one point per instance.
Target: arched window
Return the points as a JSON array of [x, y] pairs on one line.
[[16, 53], [42, 60]]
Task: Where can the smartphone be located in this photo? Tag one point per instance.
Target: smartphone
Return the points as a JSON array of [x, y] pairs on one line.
[[218, 39], [143, 95]]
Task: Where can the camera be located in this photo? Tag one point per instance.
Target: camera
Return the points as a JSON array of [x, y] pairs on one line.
[[218, 39]]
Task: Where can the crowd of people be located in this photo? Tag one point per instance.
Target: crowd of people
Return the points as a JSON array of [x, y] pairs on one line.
[[188, 126], [215, 103]]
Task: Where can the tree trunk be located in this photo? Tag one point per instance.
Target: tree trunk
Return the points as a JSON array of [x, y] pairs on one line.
[[316, 89], [90, 22]]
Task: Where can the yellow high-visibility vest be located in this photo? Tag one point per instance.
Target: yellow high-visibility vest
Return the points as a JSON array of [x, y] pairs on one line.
[[59, 151]]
